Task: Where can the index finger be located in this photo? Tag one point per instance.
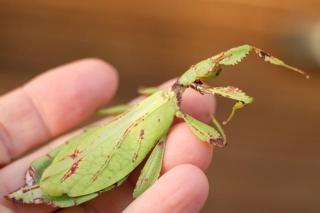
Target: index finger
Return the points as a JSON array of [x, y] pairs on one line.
[[51, 104]]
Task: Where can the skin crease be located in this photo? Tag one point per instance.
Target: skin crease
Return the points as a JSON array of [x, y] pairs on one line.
[[62, 98]]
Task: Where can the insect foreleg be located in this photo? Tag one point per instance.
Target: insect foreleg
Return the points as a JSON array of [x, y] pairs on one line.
[[211, 67], [236, 54]]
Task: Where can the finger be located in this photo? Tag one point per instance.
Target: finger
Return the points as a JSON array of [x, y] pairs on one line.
[[190, 183], [197, 105], [183, 147], [5, 210], [51, 104], [12, 177], [182, 189]]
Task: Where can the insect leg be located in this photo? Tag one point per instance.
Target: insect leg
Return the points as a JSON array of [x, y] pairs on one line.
[[148, 90], [228, 92], [236, 54], [204, 132], [151, 170], [114, 110], [211, 67]]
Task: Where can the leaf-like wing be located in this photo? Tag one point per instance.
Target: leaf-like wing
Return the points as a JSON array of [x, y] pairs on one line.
[[31, 193], [34, 195], [106, 154]]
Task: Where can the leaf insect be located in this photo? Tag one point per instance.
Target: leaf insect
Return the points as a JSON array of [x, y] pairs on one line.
[[66, 176]]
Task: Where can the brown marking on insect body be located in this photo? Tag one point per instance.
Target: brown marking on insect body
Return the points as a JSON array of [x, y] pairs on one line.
[[118, 145], [199, 82], [161, 143], [179, 98], [141, 134], [176, 86], [94, 177], [145, 179], [134, 158], [218, 70], [262, 53], [30, 188], [159, 120], [20, 200], [129, 128], [178, 89], [75, 154], [219, 142], [197, 85], [49, 156], [71, 171]]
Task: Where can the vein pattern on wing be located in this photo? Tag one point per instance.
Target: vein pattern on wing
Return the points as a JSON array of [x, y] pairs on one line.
[[97, 159]]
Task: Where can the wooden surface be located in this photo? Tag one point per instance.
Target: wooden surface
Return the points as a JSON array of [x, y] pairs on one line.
[[272, 162]]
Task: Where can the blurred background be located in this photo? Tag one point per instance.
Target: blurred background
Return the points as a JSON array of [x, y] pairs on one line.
[[272, 162]]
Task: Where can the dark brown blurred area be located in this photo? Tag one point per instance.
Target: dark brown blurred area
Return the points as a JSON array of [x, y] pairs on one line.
[[272, 162]]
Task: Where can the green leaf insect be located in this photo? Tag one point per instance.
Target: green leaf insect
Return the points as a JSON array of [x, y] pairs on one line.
[[102, 157]]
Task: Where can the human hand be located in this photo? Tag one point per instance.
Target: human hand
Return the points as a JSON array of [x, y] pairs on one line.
[[62, 98]]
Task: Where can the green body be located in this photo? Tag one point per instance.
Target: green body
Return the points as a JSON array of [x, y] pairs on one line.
[[115, 149], [102, 157]]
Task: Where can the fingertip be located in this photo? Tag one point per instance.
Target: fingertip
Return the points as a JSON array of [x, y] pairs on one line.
[[69, 94], [184, 188], [182, 147]]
